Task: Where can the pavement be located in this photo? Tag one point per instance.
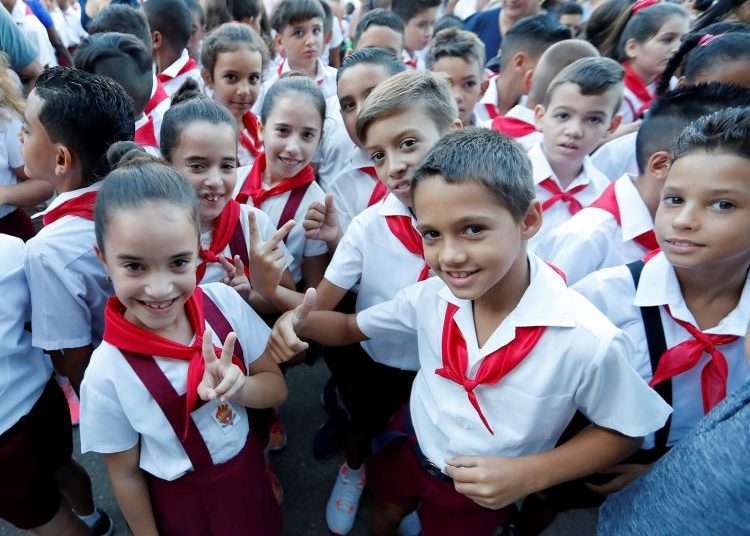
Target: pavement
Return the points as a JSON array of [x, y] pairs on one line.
[[307, 482]]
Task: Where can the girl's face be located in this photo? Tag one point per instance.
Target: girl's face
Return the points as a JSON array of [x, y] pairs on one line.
[[291, 135], [236, 80], [206, 155], [150, 253], [650, 57]]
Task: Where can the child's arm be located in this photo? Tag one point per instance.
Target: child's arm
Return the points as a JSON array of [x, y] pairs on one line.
[[131, 490], [496, 481], [26, 193], [313, 269], [72, 362]]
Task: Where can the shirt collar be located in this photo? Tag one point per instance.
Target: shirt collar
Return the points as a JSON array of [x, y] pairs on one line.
[[521, 112], [360, 158], [490, 95], [178, 64], [635, 218], [391, 206], [541, 169], [141, 121], [320, 70], [67, 196]]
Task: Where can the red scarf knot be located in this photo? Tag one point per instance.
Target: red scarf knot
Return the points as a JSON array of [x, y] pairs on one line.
[[252, 188], [558, 194], [224, 227], [250, 137], [405, 232], [157, 98], [81, 206]]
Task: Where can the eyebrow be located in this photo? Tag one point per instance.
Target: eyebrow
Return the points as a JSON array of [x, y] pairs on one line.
[[126, 257]]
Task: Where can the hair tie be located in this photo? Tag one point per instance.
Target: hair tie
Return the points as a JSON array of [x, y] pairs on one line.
[[706, 39], [642, 4]]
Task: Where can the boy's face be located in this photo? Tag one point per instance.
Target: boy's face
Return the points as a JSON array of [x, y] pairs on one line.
[[465, 79], [197, 32], [39, 151], [397, 143], [418, 31], [574, 124], [573, 22], [353, 88], [303, 42], [382, 37], [703, 216], [471, 241]]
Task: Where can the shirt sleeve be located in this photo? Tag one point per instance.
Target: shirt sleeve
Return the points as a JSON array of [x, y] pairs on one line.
[[12, 41], [347, 264], [13, 143], [397, 316]]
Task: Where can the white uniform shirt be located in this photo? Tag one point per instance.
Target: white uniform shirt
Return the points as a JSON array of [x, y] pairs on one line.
[[176, 80], [68, 283], [35, 31], [482, 115], [521, 112], [592, 239], [613, 292], [157, 114], [10, 155], [352, 188], [416, 61], [617, 157], [631, 104], [335, 149], [558, 213], [325, 78], [580, 363], [117, 410], [24, 370]]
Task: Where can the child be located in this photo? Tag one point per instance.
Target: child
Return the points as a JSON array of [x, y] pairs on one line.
[[17, 191], [643, 38], [419, 18], [281, 182], [523, 45], [618, 227], [123, 58], [234, 58], [518, 123], [169, 455], [685, 308], [380, 28], [200, 141], [170, 23], [579, 110], [483, 443], [570, 15], [197, 28], [459, 55]]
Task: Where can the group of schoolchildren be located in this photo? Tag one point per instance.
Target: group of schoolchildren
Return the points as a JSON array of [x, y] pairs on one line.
[[528, 287]]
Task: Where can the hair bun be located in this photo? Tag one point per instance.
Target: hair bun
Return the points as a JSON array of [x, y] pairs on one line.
[[188, 90], [124, 153]]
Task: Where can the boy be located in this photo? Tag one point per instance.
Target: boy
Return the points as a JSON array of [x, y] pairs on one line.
[[197, 28], [419, 18], [522, 46], [579, 111], [459, 55], [518, 123], [380, 28], [123, 58], [534, 366], [570, 15], [171, 26], [618, 227]]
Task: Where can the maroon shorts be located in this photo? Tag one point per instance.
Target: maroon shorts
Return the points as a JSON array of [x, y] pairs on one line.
[[31, 451], [399, 477], [17, 224]]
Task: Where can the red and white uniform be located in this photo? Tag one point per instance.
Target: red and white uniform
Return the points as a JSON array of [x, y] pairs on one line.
[[250, 143], [148, 126], [486, 109], [325, 78], [414, 61], [617, 157], [175, 75], [518, 124]]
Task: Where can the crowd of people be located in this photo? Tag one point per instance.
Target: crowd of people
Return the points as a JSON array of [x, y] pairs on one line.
[[515, 233]]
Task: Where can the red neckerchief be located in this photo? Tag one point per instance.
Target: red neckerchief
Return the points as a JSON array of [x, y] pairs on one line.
[[512, 126], [379, 190], [81, 206], [686, 355], [189, 66], [411, 62], [558, 194], [493, 368], [128, 337], [253, 185], [402, 229], [145, 135], [492, 110], [638, 87], [250, 134], [157, 98], [224, 226], [608, 203]]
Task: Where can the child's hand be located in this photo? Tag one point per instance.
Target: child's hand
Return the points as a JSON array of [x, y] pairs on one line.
[[490, 481], [285, 343], [623, 475], [267, 259], [221, 378], [321, 221], [236, 277]]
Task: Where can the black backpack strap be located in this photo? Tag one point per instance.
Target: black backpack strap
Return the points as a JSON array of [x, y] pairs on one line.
[[657, 345]]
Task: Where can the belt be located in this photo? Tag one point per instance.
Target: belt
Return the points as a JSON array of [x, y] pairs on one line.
[[431, 469]]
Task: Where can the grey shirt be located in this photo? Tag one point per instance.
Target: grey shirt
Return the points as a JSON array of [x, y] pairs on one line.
[[19, 49]]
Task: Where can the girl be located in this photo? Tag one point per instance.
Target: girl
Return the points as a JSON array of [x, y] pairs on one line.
[[719, 53], [16, 188], [643, 39], [179, 464], [233, 58], [281, 182], [199, 139]]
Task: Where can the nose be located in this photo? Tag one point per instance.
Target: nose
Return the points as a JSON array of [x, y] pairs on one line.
[[451, 254], [396, 167], [160, 286], [574, 128], [213, 177], [686, 218], [243, 88]]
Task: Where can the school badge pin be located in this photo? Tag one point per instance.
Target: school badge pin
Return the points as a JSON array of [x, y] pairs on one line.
[[224, 415]]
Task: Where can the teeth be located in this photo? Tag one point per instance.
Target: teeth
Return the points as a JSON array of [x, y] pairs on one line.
[[159, 306]]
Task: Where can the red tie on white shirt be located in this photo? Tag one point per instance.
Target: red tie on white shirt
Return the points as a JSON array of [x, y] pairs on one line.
[[493, 368], [638, 87], [411, 63], [512, 126], [379, 190], [189, 66], [81, 206], [280, 71], [608, 203], [157, 98], [402, 229], [686, 355], [224, 228], [558, 194], [492, 111], [145, 135], [250, 135]]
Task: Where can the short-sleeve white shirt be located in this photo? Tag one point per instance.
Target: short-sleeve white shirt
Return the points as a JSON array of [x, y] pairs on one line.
[[488, 102], [117, 410], [352, 188], [176, 80], [519, 111], [617, 157], [10, 155]]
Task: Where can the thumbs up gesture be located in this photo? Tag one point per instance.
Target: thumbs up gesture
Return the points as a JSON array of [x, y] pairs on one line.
[[222, 379], [321, 221], [285, 342]]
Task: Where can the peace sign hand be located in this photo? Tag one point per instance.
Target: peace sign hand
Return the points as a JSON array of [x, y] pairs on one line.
[[222, 379], [267, 258]]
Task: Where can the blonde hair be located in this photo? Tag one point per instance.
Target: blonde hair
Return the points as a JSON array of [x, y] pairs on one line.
[[10, 95], [406, 90]]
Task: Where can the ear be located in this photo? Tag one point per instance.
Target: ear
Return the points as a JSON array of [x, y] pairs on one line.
[[527, 77], [538, 116], [631, 48], [518, 60], [277, 42], [63, 160], [157, 40], [484, 85], [614, 124], [207, 78], [456, 125], [532, 220], [101, 257], [658, 165]]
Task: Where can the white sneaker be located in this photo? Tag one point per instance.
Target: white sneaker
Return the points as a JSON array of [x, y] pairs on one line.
[[343, 503], [410, 525]]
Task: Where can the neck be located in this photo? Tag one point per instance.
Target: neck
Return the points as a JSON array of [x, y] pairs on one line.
[[310, 70], [566, 171], [501, 299], [268, 177], [650, 191], [207, 225], [712, 292], [69, 184], [505, 101], [166, 57], [646, 77]]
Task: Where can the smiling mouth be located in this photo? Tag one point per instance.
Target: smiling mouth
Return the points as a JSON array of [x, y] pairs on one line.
[[291, 162], [158, 306], [676, 242], [461, 275], [211, 198]]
